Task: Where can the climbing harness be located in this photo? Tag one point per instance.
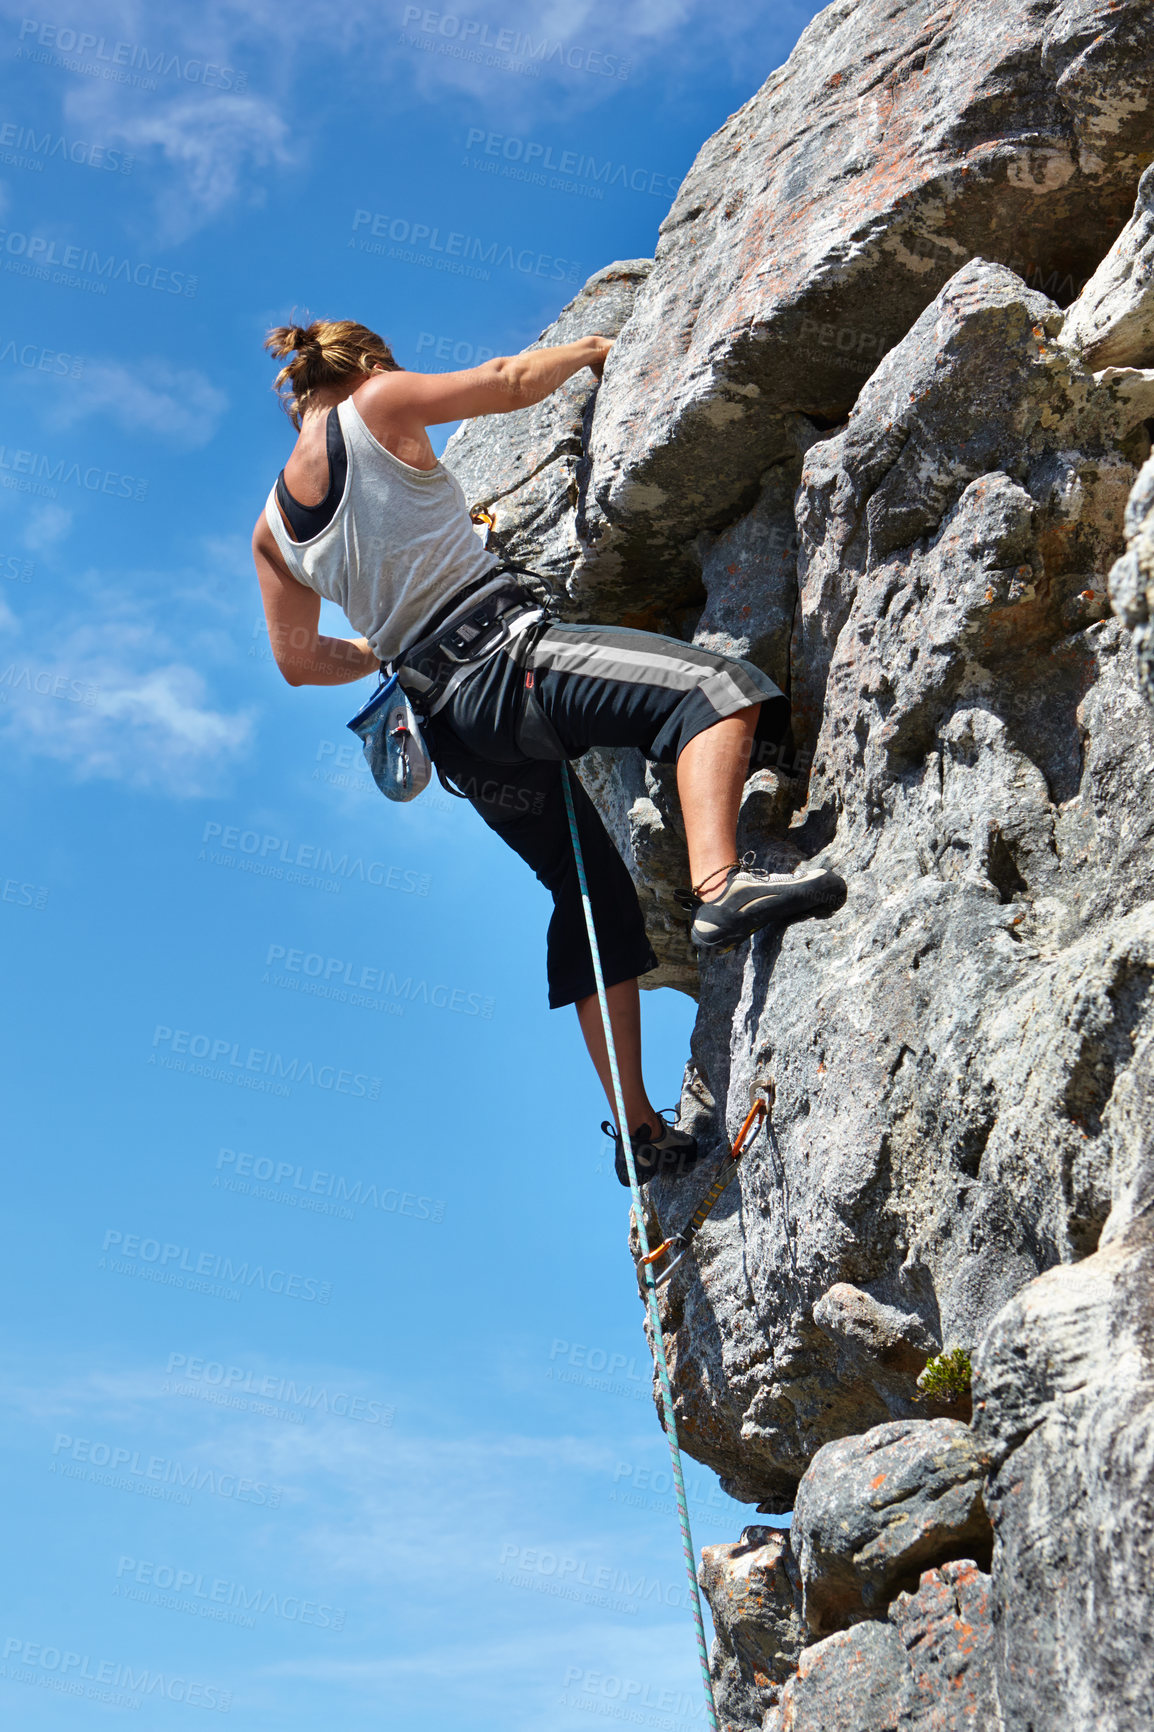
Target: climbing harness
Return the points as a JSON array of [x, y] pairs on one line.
[[670, 1422], [756, 1116], [434, 667]]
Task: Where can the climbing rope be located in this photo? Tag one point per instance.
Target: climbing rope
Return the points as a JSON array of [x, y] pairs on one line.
[[650, 1283]]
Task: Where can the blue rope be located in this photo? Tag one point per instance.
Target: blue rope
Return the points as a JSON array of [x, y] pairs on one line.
[[650, 1281]]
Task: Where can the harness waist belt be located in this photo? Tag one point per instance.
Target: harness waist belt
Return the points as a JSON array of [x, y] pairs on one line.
[[432, 670]]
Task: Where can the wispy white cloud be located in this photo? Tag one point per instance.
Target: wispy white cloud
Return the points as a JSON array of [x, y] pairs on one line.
[[179, 406], [412, 1526], [112, 701], [211, 152], [46, 527], [216, 151], [170, 701]]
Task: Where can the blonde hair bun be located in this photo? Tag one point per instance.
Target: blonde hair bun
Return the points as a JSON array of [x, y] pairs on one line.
[[327, 352]]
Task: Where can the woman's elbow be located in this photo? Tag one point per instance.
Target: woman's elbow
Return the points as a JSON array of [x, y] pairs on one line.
[[293, 672], [294, 650]]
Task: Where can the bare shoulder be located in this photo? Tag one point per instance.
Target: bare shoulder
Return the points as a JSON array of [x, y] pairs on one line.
[[392, 405], [388, 399]]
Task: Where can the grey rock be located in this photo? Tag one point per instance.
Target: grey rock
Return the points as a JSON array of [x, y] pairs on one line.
[[947, 1633], [749, 573], [753, 1595], [900, 139], [1132, 578], [862, 1325], [927, 1668], [1065, 1404], [851, 1682], [984, 440], [1111, 324], [946, 1048], [874, 1511]]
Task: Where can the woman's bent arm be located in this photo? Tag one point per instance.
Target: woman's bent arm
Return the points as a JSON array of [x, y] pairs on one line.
[[304, 657]]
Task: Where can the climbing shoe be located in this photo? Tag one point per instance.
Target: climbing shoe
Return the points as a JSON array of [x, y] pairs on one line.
[[753, 898], [671, 1152]]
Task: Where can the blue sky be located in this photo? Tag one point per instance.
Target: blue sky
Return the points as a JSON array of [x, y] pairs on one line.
[[327, 1398]]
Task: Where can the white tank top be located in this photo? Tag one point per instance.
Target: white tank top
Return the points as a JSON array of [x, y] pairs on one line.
[[399, 545]]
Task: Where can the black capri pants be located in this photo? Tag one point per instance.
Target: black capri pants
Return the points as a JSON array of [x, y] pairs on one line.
[[551, 694]]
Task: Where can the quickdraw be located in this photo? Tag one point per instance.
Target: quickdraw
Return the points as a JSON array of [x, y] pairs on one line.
[[488, 518], [757, 1115]]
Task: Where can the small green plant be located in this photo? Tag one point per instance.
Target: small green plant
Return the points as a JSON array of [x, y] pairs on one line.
[[947, 1377]]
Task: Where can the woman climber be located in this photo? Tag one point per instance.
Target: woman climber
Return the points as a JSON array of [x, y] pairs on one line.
[[364, 514]]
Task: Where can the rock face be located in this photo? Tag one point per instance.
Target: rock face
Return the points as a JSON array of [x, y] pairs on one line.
[[879, 416], [925, 1668], [1066, 1408], [922, 1656], [900, 139], [1111, 324], [1132, 579], [873, 1510], [944, 1049], [753, 1593]]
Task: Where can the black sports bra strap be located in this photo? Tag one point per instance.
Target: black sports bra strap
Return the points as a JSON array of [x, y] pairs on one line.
[[305, 521]]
